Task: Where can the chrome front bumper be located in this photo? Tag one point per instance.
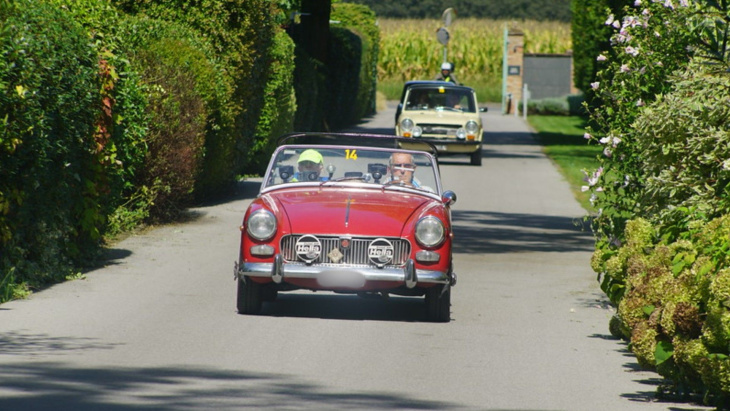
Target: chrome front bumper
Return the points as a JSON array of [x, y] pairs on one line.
[[336, 276]]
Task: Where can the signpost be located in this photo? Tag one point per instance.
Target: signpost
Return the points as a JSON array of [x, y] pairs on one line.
[[442, 34]]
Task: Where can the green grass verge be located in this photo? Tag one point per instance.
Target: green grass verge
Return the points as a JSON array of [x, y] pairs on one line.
[[563, 142]]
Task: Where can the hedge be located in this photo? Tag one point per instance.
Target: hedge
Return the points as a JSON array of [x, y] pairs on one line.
[[52, 142]]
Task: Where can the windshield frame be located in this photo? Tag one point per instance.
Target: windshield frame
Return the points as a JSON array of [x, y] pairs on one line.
[[425, 158]]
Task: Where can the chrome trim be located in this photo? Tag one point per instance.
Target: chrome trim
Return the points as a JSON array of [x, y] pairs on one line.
[[411, 276], [355, 255], [299, 270], [277, 274]]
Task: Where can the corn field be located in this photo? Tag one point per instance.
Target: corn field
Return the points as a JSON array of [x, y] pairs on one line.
[[409, 49]]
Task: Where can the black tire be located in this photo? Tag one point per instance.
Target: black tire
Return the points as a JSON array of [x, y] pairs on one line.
[[438, 304], [476, 157], [248, 299]]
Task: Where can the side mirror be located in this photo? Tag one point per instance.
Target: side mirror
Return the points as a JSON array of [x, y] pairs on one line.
[[448, 197], [483, 109]]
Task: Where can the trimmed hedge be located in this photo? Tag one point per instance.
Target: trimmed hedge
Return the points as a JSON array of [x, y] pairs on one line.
[[242, 33], [108, 119], [571, 105], [51, 144]]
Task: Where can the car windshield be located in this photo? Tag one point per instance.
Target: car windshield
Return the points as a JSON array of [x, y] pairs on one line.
[[362, 166], [440, 98]]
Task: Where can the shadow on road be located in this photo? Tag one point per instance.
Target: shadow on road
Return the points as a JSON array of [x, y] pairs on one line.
[[494, 233], [58, 386], [347, 307]]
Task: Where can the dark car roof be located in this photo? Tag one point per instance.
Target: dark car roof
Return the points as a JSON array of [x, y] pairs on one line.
[[430, 84]]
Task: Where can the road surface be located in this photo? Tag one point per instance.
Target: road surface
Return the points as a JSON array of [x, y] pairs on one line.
[[156, 327]]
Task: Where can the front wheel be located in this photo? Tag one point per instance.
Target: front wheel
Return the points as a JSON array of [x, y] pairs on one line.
[[249, 297], [438, 303]]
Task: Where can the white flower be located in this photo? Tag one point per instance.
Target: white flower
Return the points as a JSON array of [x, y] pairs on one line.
[[639, 103], [587, 136], [593, 179], [593, 199], [595, 85], [668, 4], [583, 189], [607, 152], [626, 180], [625, 68], [726, 164], [615, 141], [683, 3], [610, 20], [637, 3], [601, 57], [632, 51], [604, 140], [616, 24]]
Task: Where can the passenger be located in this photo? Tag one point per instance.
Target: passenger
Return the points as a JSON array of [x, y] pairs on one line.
[[447, 73], [310, 165]]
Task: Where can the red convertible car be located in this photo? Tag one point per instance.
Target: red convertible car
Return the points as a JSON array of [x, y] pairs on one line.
[[348, 213]]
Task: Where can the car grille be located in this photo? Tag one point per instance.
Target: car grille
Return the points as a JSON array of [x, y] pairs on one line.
[[440, 129], [354, 255]]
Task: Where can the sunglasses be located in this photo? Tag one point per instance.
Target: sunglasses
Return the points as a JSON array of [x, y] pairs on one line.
[[403, 167]]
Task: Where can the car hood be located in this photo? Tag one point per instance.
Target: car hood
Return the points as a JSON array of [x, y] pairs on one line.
[[336, 211], [440, 116]]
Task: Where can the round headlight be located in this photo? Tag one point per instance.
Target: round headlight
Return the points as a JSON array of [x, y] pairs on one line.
[[406, 124], [261, 225], [417, 131], [429, 231], [471, 127], [461, 133]]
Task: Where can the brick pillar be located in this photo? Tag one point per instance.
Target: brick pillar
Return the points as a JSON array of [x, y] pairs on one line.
[[515, 65]]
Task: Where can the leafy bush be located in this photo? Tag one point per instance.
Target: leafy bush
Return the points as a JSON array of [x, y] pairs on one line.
[[51, 144], [187, 92], [663, 230], [571, 105], [277, 115], [362, 21], [241, 32]]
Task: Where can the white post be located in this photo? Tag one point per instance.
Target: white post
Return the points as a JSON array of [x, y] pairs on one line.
[[525, 97]]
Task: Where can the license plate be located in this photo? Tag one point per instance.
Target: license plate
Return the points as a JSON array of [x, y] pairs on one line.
[[336, 278]]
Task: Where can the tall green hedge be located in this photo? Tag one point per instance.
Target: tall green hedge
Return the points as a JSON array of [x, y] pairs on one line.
[[362, 53], [338, 92], [591, 37], [51, 192], [242, 33]]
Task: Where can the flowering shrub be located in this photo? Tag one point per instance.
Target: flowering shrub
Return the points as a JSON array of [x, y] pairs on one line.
[[662, 191]]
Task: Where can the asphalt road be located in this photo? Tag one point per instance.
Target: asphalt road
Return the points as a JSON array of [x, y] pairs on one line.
[[156, 328]]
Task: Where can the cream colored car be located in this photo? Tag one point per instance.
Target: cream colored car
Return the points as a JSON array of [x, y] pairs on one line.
[[443, 114]]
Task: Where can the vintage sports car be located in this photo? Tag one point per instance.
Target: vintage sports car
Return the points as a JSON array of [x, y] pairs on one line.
[[443, 114], [348, 213]]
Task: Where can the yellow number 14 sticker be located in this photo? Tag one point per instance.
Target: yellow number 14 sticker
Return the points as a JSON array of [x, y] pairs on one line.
[[350, 154]]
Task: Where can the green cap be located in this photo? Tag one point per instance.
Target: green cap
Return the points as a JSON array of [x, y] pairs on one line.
[[311, 155]]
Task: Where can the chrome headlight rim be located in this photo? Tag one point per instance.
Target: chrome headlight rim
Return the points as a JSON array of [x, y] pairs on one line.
[[430, 232], [261, 225], [471, 126], [407, 124]]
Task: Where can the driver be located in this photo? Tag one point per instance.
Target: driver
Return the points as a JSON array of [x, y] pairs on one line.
[[309, 165]]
